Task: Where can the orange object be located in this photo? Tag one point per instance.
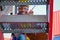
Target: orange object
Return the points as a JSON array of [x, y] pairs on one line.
[[27, 38]]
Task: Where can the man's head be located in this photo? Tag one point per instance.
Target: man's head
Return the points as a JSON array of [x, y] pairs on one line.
[[23, 9]]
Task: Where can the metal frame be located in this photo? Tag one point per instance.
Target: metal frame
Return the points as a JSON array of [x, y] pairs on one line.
[[25, 3]]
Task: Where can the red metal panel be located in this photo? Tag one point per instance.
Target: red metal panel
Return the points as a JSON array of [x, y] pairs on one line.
[[56, 23], [1, 36], [51, 18]]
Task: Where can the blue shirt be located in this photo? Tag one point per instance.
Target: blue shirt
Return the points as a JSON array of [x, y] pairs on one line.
[[21, 37], [56, 38]]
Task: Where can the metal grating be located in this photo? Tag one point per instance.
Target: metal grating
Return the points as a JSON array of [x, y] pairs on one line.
[[36, 27], [30, 2]]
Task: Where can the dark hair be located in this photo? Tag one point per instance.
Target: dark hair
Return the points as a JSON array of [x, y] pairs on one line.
[[23, 5], [11, 13], [13, 34], [1, 8]]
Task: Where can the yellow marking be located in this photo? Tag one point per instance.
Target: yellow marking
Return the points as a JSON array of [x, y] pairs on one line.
[[23, 0]]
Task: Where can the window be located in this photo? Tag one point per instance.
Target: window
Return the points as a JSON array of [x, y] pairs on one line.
[[38, 9]]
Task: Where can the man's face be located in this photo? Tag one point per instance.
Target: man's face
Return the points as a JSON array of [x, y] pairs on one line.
[[23, 10]]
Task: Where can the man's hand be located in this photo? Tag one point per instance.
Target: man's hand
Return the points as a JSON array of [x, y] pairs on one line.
[[30, 12]]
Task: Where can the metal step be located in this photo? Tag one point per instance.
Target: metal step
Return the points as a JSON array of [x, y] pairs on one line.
[[24, 18]]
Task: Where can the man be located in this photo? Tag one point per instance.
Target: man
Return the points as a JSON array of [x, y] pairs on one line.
[[23, 10], [18, 36]]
